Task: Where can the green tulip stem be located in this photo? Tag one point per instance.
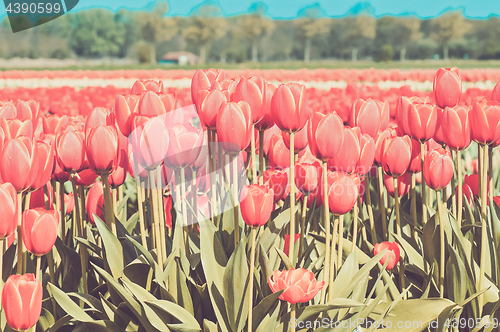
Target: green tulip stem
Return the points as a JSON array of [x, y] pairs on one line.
[[442, 226], [355, 226], [84, 210], [480, 167], [368, 197], [453, 191], [79, 226], [250, 279], [484, 231], [326, 214], [2, 251], [291, 182], [235, 201], [50, 261], [302, 227], [292, 317], [490, 172], [332, 271], [161, 215], [211, 141], [142, 226], [62, 208], [381, 201], [341, 239], [396, 203], [115, 202], [108, 204], [194, 191], [155, 220], [19, 233], [261, 157], [254, 162], [424, 206], [413, 207], [46, 193], [38, 268], [459, 188]]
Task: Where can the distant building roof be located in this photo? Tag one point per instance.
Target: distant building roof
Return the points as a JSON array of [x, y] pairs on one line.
[[181, 57]]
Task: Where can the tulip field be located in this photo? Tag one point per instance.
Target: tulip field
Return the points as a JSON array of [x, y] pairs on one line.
[[256, 200]]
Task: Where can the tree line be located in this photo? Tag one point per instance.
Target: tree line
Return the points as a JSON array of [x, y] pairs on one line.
[[148, 35]]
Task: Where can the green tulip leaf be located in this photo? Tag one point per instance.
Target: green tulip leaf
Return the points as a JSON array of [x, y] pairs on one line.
[[112, 248], [188, 322], [70, 307]]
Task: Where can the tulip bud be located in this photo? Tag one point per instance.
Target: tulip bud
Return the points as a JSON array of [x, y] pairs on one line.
[[370, 116], [396, 155], [256, 204], [447, 87], [342, 193], [185, 143], [141, 86], [307, 177], [495, 95], [286, 248], [19, 163], [325, 135], [422, 120], [485, 122], [22, 301], [300, 140], [404, 184], [102, 149], [39, 230], [252, 91], [234, 126], [416, 158], [277, 180], [456, 127], [348, 156], [267, 120], [392, 254], [125, 108], [203, 80], [438, 168], [289, 107], [150, 141], [70, 151], [8, 210], [95, 202], [46, 160]]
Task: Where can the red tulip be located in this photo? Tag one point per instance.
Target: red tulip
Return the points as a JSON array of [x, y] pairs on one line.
[[370, 116], [102, 149], [348, 156], [279, 154], [54, 124], [379, 143], [95, 202], [209, 107], [99, 116], [150, 142], [396, 155], [8, 110], [125, 109], [153, 104], [342, 193], [422, 120], [299, 285], [8, 210], [438, 168], [392, 254], [28, 110], [300, 140], [234, 126], [496, 199], [456, 127], [19, 163], [307, 177], [289, 107], [38, 198], [185, 145], [367, 155], [167, 204], [227, 86], [45, 164], [485, 121], [253, 91], [117, 178], [268, 135], [468, 195], [404, 184], [402, 109], [415, 165], [277, 180], [286, 248], [256, 204], [447, 87], [16, 128], [495, 94], [203, 80], [325, 135], [39, 229], [22, 301], [59, 175], [70, 151], [267, 120], [472, 181], [141, 86]]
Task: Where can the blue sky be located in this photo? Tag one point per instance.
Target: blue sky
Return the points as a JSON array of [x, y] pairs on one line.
[[290, 8]]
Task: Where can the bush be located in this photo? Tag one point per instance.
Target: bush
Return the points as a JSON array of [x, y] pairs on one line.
[[384, 53]]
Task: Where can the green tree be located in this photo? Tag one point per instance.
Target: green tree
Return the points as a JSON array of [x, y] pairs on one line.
[[95, 33], [398, 32], [311, 23], [255, 26], [154, 27], [449, 26], [205, 25], [358, 31]]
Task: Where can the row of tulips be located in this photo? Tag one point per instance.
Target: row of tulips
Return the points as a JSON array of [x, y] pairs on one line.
[[342, 74], [184, 176]]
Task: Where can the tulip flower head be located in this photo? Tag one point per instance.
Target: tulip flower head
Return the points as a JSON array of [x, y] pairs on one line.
[[438, 168], [8, 210], [396, 155], [307, 177], [325, 135], [342, 193], [485, 122], [289, 107], [392, 254], [19, 162], [370, 116], [456, 127], [256, 204], [234, 126], [22, 301], [299, 285], [447, 87], [277, 180], [39, 229]]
